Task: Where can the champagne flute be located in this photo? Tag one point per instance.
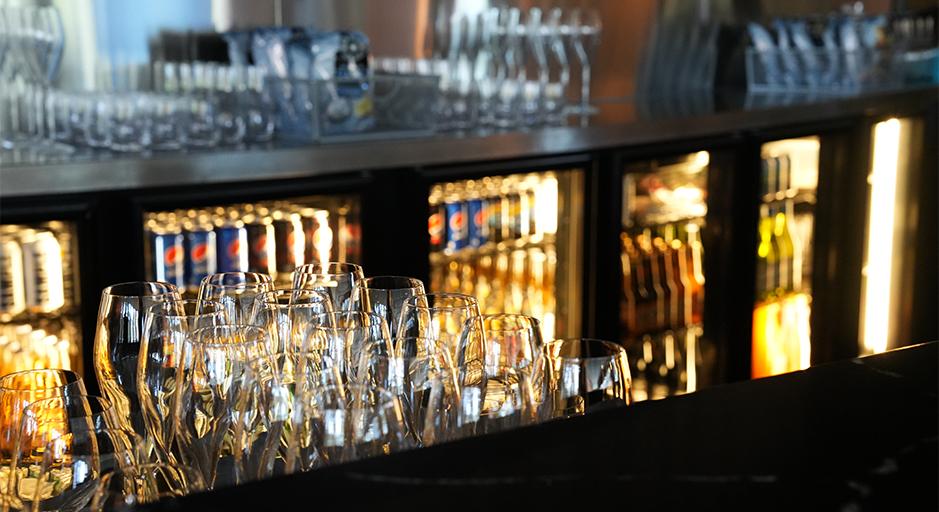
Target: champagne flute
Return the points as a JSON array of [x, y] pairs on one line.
[[338, 280], [166, 327], [121, 316]]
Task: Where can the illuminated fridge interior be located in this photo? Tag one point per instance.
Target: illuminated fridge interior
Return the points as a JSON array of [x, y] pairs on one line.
[[662, 262], [781, 340], [39, 311], [513, 242], [272, 237]]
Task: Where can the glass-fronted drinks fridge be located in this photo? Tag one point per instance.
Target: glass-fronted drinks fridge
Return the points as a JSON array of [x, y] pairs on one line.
[[273, 237], [40, 324], [513, 241], [663, 278]]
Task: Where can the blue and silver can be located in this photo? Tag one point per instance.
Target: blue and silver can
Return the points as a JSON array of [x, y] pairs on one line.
[[199, 242], [231, 242], [167, 254]]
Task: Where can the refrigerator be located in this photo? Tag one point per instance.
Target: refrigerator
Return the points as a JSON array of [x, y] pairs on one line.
[[40, 299], [514, 241], [663, 274]]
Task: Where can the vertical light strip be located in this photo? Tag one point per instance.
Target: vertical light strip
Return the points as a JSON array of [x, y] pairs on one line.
[[880, 227]]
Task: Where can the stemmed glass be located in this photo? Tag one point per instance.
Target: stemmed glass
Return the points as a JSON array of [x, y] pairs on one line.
[[17, 391], [587, 374], [357, 422], [166, 327], [209, 385], [124, 488], [385, 296], [121, 317], [43, 422], [338, 280], [450, 320], [236, 291], [288, 315], [584, 26], [74, 464], [349, 338]]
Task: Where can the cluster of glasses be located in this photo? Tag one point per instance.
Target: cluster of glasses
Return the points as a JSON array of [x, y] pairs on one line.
[[31, 44], [506, 68], [250, 381], [188, 105], [846, 52]]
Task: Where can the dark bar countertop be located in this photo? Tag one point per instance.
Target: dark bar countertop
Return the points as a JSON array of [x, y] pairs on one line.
[[619, 124], [859, 434]]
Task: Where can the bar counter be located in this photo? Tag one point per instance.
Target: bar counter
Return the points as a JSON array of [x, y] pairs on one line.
[[631, 123], [857, 434]]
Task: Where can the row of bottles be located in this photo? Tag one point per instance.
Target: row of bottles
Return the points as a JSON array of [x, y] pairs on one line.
[[662, 307], [663, 278], [184, 246], [516, 281], [496, 238], [494, 212], [781, 316], [35, 270], [43, 344]]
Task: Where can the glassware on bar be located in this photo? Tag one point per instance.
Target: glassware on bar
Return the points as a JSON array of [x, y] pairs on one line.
[[122, 489], [236, 292], [385, 296], [589, 375], [166, 327], [336, 279], [120, 328]]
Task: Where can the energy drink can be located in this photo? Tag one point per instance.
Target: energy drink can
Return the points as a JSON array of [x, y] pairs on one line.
[[231, 242], [200, 261]]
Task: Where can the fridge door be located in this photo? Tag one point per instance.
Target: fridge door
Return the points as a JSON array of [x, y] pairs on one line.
[[781, 334], [512, 241], [273, 237], [40, 324], [663, 276]]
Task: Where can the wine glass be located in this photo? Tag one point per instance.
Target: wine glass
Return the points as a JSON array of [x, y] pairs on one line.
[[124, 488], [210, 382], [584, 26], [287, 315], [338, 280], [74, 463], [357, 422], [121, 317], [44, 421], [385, 295], [451, 320], [427, 387], [166, 327], [236, 291], [509, 402], [587, 374], [349, 337]]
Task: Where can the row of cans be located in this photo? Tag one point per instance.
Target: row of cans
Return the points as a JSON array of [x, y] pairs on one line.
[[186, 246], [35, 270], [493, 210]]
